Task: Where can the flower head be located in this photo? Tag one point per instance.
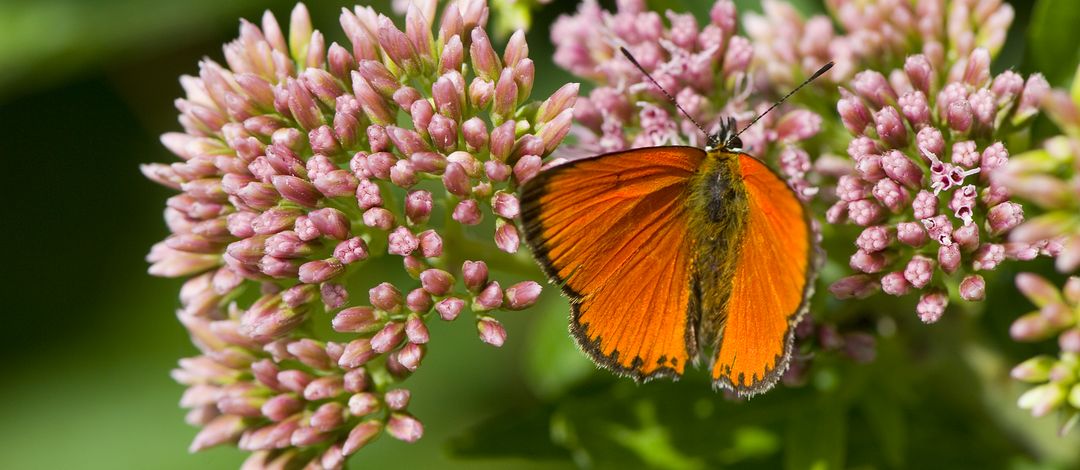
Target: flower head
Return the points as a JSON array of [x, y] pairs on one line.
[[1049, 178], [927, 141], [296, 170], [705, 68], [1056, 316]]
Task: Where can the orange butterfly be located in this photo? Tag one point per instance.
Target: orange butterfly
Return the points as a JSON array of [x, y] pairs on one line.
[[664, 250]]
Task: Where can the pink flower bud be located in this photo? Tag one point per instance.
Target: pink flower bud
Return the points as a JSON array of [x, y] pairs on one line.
[[858, 286], [526, 168], [418, 206], [475, 274], [1030, 327], [489, 298], [351, 250], [522, 295], [967, 236], [328, 416], [356, 320], [890, 127], [456, 180], [988, 257], [410, 356], [416, 330], [1004, 217], [949, 258], [402, 242], [449, 308], [919, 271], [973, 288], [356, 380], [467, 212], [362, 434], [323, 388], [357, 353], [476, 134], [314, 272], [506, 236], [491, 331], [870, 263], [925, 205], [418, 300], [431, 244], [334, 295], [502, 141], [397, 399], [385, 297], [368, 194], [436, 281], [402, 426], [931, 306], [330, 222], [388, 338], [874, 239]]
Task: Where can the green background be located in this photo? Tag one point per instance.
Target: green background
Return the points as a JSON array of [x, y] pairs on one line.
[[86, 88]]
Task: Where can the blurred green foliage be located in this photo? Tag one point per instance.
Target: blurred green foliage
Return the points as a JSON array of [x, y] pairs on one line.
[[85, 89]]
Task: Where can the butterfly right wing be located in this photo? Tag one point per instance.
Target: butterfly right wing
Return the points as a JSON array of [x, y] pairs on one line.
[[612, 231]]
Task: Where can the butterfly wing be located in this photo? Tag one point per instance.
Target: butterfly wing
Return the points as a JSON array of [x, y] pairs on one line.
[[612, 231], [771, 284]]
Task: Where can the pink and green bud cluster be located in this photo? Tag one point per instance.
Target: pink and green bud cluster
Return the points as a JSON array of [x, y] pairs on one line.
[[1049, 178], [1056, 379], [706, 68], [927, 142], [873, 34], [300, 163]]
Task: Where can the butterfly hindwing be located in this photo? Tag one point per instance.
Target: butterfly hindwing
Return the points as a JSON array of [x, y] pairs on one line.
[[612, 231], [770, 284]]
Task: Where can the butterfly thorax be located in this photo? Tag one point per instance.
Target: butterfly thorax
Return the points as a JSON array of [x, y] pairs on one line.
[[718, 210]]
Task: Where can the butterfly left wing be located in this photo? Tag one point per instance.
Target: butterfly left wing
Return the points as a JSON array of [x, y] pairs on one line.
[[612, 231], [770, 287]]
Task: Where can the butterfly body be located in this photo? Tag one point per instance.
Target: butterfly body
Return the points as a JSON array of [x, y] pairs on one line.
[[669, 254]]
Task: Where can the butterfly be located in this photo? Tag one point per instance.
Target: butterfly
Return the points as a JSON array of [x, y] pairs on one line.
[[666, 251]]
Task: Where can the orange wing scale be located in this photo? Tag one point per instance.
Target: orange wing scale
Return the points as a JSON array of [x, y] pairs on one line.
[[769, 287], [612, 230]]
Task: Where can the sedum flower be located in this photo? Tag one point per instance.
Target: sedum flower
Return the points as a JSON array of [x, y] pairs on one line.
[[1055, 378], [877, 34], [1049, 178], [926, 142], [705, 68], [300, 163]]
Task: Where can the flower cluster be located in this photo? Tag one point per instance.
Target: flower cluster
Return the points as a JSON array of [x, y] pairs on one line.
[[301, 165], [1049, 178], [1058, 315], [926, 142], [878, 34], [705, 70]]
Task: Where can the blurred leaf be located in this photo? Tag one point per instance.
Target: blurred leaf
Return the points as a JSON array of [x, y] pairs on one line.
[[815, 436], [1054, 37], [515, 433], [553, 363]]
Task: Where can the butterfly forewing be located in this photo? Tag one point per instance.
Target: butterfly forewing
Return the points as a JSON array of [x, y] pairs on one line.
[[612, 231]]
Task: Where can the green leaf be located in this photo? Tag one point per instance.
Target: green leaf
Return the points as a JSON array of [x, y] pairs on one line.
[[1054, 37], [523, 433], [816, 436], [553, 362]]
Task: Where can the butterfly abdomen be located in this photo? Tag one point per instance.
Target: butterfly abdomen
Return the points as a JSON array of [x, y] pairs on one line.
[[718, 208]]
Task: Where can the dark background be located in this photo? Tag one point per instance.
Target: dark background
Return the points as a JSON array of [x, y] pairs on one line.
[[86, 88]]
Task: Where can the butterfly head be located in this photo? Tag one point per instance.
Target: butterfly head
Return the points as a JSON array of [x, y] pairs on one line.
[[727, 140]]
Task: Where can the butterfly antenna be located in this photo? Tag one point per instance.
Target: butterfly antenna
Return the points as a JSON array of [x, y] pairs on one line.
[[820, 72], [662, 90]]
